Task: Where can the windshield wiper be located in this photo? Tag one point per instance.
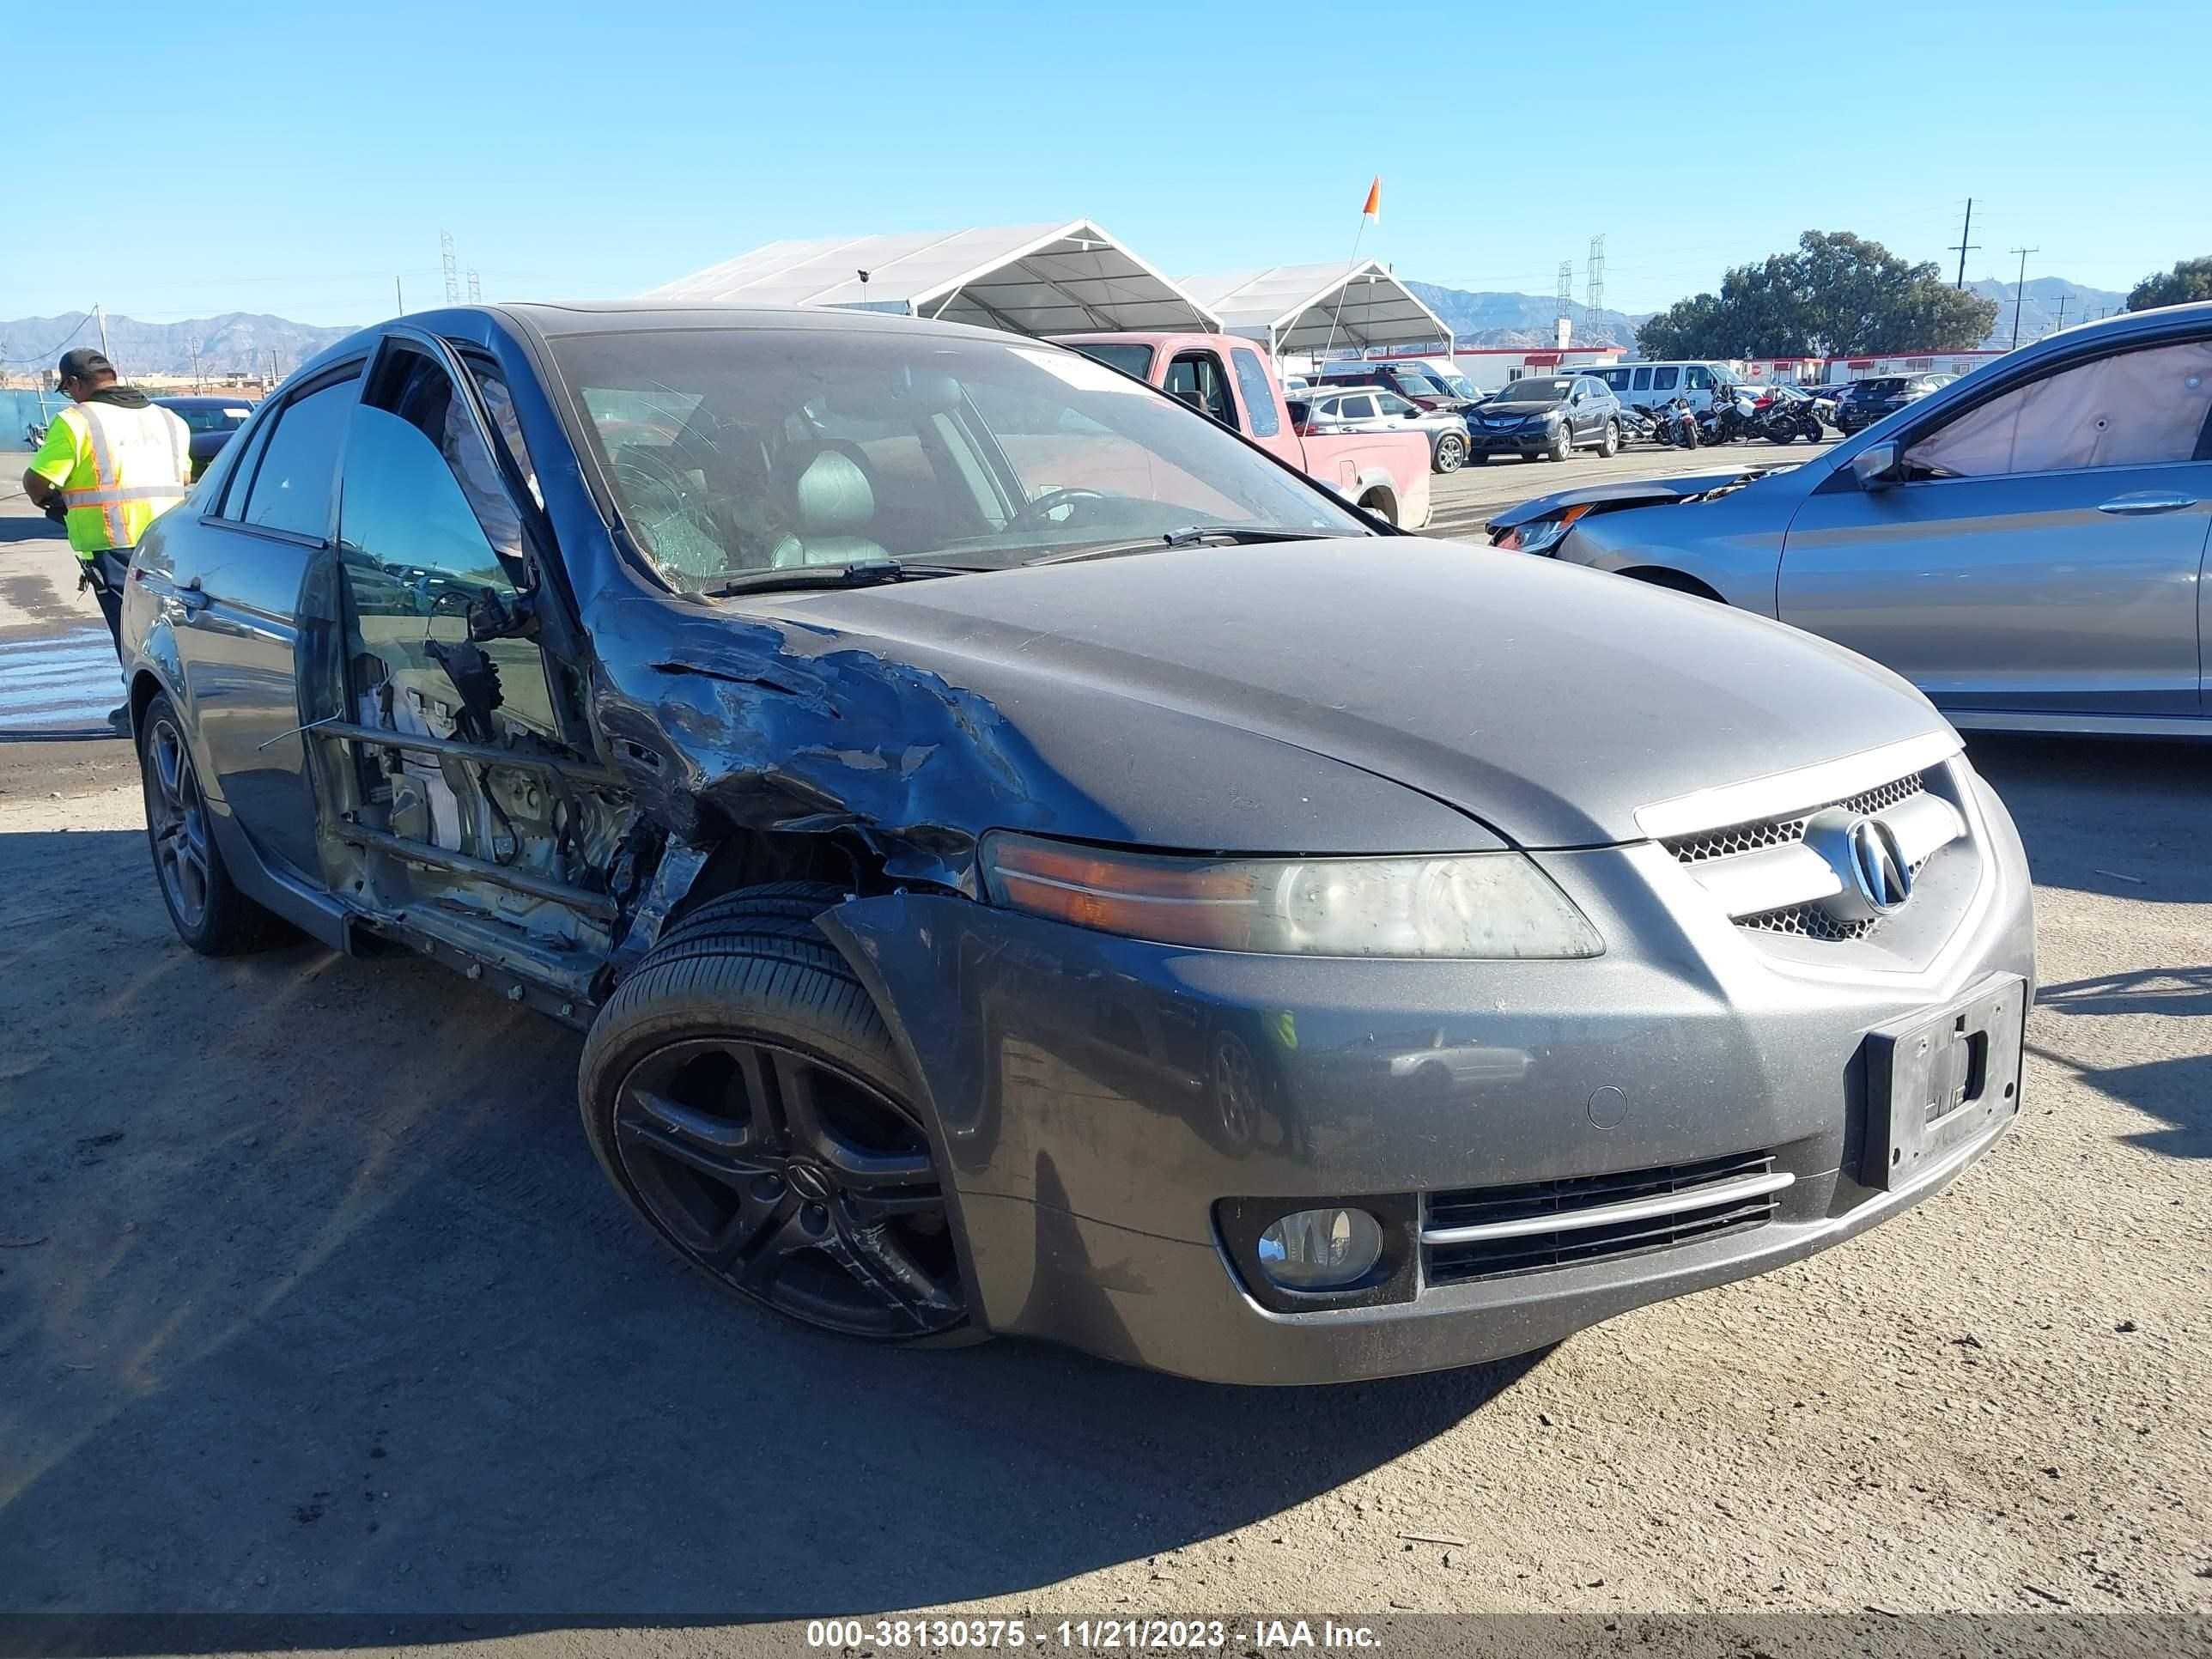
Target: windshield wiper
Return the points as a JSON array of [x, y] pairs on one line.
[[860, 572], [1195, 535]]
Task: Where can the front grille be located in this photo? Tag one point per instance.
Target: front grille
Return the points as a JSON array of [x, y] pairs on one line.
[[1778, 832], [1532, 1252]]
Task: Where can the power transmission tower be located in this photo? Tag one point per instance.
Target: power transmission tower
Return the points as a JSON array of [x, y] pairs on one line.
[[1594, 277], [1962, 246], [2020, 287], [1566, 300], [453, 271], [476, 290]]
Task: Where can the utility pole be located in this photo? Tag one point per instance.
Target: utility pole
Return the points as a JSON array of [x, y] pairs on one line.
[[197, 387], [1963, 246], [2020, 287], [99, 314], [2061, 314], [398, 298], [272, 371]]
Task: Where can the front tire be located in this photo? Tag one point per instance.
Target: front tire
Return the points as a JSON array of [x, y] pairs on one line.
[[1563, 443], [205, 907], [1610, 446], [743, 1094], [1452, 452]]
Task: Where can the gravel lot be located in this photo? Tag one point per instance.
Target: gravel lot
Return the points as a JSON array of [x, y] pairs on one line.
[[311, 1299]]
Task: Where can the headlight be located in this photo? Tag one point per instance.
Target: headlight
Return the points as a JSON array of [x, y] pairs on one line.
[[1541, 535], [1466, 905]]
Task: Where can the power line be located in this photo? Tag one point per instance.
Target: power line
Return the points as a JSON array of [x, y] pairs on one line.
[[49, 356], [1962, 246], [2020, 289]]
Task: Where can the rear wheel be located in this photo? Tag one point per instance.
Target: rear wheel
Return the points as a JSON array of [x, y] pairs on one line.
[[208, 911], [742, 1092], [1452, 452], [1378, 502]]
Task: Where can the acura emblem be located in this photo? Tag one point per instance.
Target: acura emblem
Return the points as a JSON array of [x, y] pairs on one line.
[[1879, 869], [1873, 876]]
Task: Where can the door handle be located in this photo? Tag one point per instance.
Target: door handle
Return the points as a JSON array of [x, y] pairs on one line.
[[193, 596], [2145, 500]]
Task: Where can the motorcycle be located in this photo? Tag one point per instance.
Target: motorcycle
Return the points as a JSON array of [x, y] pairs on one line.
[[1728, 417], [1674, 423], [1785, 420]]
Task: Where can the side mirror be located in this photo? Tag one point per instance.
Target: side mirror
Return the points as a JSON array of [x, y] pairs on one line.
[[1875, 466]]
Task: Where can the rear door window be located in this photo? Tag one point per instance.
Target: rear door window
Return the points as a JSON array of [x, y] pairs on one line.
[[291, 486], [1663, 379], [1258, 389], [1696, 380], [1643, 381], [1358, 408]]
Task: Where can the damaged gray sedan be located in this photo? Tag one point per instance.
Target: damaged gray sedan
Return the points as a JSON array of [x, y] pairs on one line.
[[1027, 861]]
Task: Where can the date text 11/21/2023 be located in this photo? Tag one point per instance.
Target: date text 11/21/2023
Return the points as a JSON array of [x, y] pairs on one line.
[[1090, 1635]]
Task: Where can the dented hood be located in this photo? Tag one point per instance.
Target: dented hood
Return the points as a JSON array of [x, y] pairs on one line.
[[1546, 702], [1629, 492]]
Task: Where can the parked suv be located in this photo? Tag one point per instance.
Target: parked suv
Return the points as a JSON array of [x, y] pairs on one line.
[[1864, 402], [1411, 379], [1322, 412], [1547, 417], [1028, 861]]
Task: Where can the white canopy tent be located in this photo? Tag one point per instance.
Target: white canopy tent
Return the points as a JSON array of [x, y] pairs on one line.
[[1030, 279], [1354, 303]]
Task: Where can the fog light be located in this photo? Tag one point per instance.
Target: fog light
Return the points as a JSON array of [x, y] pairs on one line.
[[1321, 1250]]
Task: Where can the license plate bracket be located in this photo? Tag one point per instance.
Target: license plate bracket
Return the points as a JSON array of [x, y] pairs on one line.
[[1939, 1079]]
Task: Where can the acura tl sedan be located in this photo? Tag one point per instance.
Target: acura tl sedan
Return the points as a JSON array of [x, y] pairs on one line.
[[1027, 861], [2025, 544]]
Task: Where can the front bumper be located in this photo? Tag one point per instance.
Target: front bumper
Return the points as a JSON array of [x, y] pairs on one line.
[[1532, 440], [1096, 1099]]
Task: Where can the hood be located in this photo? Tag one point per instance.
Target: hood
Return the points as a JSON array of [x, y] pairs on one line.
[[1521, 405], [1635, 492], [1548, 703]]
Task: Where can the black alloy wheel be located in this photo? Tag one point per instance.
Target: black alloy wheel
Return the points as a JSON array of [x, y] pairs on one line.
[[792, 1180], [176, 823]]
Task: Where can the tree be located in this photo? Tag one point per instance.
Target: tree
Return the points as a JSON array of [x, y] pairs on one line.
[[2190, 279], [1836, 295]]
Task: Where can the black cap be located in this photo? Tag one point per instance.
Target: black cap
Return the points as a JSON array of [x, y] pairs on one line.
[[84, 363]]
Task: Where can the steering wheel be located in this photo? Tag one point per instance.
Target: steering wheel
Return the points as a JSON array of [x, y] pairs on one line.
[[1041, 509]]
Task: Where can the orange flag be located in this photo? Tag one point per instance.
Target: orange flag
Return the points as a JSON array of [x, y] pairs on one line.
[[1373, 210]]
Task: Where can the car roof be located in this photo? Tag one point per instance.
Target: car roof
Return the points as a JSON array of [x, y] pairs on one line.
[[553, 320]]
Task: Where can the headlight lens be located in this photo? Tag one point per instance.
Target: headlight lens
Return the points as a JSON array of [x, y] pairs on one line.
[[1541, 535], [1464, 905]]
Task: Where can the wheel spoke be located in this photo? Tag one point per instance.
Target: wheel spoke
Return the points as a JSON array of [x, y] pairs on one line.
[[798, 1082], [166, 758], [756, 1100], [719, 1150], [779, 1235], [765, 1205], [881, 1264]]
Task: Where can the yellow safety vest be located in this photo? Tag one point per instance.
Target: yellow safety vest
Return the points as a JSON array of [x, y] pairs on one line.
[[132, 467]]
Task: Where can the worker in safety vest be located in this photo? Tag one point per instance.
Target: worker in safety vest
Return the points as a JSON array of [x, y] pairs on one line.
[[113, 463]]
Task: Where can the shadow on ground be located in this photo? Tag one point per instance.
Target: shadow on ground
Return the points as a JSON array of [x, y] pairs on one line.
[[2116, 816], [313, 1300]]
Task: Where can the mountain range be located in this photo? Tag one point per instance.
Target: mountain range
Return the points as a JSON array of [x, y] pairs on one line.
[[241, 340], [237, 340], [2039, 306]]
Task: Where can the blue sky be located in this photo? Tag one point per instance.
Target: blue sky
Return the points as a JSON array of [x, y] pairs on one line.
[[292, 159]]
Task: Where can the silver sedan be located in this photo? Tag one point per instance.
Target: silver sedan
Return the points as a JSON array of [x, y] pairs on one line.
[[2026, 546]]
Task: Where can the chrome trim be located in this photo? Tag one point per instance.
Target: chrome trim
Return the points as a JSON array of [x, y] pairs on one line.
[[1782, 793], [1770, 879], [1604, 1215]]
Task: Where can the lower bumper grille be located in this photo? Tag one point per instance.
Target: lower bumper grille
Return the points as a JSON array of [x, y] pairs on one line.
[[1487, 1232]]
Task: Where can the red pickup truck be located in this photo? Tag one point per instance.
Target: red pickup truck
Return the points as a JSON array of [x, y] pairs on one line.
[[1387, 473]]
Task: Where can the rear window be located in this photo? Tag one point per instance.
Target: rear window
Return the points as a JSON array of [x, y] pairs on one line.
[[1135, 360]]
